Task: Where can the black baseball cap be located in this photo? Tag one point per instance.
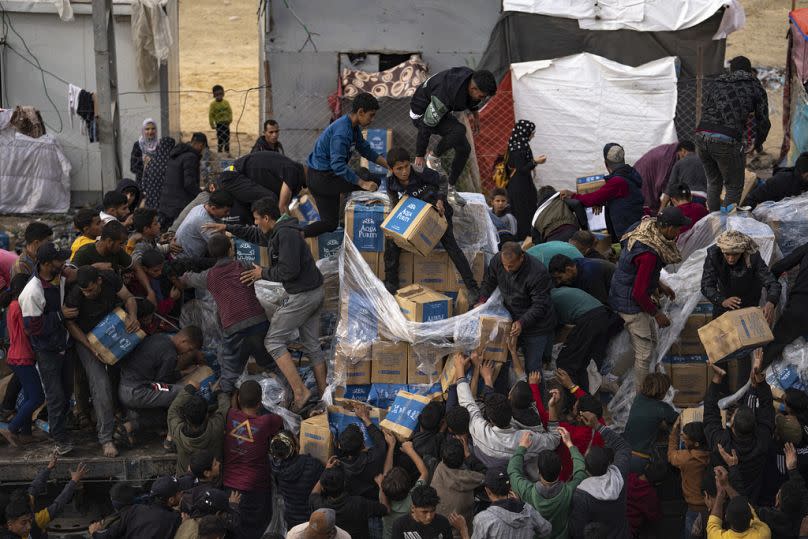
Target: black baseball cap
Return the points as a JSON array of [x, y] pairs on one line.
[[48, 252], [496, 479], [672, 216], [165, 487]]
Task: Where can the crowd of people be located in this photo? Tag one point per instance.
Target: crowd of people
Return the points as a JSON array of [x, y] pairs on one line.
[[527, 456]]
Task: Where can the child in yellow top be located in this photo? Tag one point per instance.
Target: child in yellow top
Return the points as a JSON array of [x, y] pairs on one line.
[[220, 116], [88, 223]]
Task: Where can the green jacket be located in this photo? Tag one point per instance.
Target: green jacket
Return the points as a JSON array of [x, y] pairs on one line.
[[556, 509], [211, 438]]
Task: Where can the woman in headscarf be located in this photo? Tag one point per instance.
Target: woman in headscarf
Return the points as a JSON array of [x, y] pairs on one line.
[[144, 148], [519, 165], [734, 275]]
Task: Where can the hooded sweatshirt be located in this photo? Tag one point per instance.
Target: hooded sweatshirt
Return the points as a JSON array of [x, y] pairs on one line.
[[552, 501], [455, 487], [211, 437], [181, 183], [510, 519], [125, 184], [493, 445], [603, 498], [295, 478]]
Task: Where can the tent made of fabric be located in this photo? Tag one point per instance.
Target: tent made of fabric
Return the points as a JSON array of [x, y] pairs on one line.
[[795, 97]]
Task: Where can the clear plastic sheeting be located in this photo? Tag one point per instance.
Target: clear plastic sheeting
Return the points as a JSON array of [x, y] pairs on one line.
[[686, 283], [787, 218], [271, 296]]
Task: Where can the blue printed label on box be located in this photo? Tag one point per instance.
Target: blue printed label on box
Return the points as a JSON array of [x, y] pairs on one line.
[[405, 412], [246, 252], [367, 232], [377, 139], [328, 244], [436, 310], [404, 217], [362, 321], [589, 179], [308, 211], [112, 335], [383, 395], [339, 421]]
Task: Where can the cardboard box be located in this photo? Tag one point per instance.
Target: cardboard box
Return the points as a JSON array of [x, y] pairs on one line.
[[326, 245], [420, 304], [587, 184], [402, 418], [304, 209], [341, 414], [363, 224], [405, 266], [735, 332], [110, 338], [432, 270], [447, 376], [375, 262], [455, 281], [381, 140], [691, 415], [316, 439], [361, 319], [689, 343], [250, 253], [415, 225], [690, 376], [493, 337], [416, 375], [357, 370], [389, 361], [461, 302]]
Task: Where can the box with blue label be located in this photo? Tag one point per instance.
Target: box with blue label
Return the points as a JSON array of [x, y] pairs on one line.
[[363, 224], [421, 304], [360, 318], [690, 377], [326, 245], [111, 341], [424, 370], [455, 281], [494, 334], [356, 370], [304, 209], [316, 438], [587, 184], [389, 360], [381, 140], [250, 253], [342, 413], [415, 225], [734, 333], [432, 270], [402, 417]]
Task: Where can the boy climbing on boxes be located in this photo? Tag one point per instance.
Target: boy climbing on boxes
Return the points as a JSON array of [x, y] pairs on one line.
[[424, 185]]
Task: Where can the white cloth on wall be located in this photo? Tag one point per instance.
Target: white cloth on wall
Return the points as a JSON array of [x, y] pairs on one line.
[[64, 9], [583, 101], [640, 15], [73, 92], [151, 37]]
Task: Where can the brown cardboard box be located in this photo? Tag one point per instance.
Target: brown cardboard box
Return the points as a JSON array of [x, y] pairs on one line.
[[304, 209], [357, 370], [691, 415], [363, 224], [416, 375], [587, 184], [389, 362], [415, 225], [447, 376], [455, 281], [494, 333], [461, 303], [431, 270], [421, 304], [316, 439], [326, 245], [735, 331], [405, 266], [381, 145], [375, 261], [690, 376]]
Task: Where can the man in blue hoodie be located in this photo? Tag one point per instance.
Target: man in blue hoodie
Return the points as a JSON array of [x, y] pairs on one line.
[[329, 175]]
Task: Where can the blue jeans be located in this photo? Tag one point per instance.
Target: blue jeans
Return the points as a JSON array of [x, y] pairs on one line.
[[536, 349], [233, 360], [32, 391]]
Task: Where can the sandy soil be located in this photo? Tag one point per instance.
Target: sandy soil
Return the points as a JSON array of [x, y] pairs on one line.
[[217, 50]]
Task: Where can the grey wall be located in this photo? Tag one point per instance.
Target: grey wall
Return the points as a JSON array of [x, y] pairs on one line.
[[446, 33], [66, 49]]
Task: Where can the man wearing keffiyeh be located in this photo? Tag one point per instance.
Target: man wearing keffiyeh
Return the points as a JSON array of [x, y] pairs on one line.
[[646, 250]]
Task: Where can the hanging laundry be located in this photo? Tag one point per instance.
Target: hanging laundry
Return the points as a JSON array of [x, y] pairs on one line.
[[86, 110], [73, 92]]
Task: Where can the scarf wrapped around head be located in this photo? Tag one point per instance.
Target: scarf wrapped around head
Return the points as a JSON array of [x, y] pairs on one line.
[[648, 233], [148, 144], [520, 139], [736, 243]]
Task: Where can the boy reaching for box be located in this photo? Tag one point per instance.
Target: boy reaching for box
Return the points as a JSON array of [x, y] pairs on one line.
[[424, 185]]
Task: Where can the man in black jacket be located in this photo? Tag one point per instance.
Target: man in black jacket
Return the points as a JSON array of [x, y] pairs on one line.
[[292, 265], [273, 171], [794, 319], [295, 474], [453, 90], [525, 286], [154, 519], [725, 113], [789, 182], [425, 185], [750, 431], [181, 183]]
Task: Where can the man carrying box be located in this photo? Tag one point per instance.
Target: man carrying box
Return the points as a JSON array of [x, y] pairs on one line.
[[97, 295], [425, 185], [525, 286]]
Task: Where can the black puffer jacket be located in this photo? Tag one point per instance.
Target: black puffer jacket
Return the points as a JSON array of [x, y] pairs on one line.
[[525, 293], [728, 103], [296, 477], [786, 183], [182, 181], [720, 281]]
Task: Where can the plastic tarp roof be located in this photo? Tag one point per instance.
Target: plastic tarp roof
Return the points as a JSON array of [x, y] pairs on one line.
[[640, 15], [581, 102], [34, 172]]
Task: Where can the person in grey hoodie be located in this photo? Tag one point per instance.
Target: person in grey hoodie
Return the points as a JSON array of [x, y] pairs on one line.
[[601, 497], [507, 517], [495, 439]]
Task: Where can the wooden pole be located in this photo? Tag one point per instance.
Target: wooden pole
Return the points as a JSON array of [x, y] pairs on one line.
[[106, 80]]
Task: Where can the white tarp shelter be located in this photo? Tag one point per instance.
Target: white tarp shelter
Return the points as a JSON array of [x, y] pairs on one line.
[[583, 101]]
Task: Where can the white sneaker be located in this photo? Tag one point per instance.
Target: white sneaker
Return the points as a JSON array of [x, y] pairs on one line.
[[454, 197]]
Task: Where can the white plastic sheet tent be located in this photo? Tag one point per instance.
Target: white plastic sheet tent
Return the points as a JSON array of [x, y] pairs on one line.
[[581, 102], [34, 172], [640, 15]]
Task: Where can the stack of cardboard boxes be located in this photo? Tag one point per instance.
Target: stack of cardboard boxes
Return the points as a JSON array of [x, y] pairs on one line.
[[686, 362]]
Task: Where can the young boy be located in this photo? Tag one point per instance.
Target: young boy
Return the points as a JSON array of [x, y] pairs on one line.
[[147, 232], [503, 220], [396, 485], [692, 462], [361, 464], [116, 208], [37, 233], [88, 224], [454, 484], [506, 516], [352, 512], [424, 521], [220, 116], [425, 185], [249, 428]]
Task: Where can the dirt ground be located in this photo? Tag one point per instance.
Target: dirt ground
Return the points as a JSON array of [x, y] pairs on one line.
[[219, 45]]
